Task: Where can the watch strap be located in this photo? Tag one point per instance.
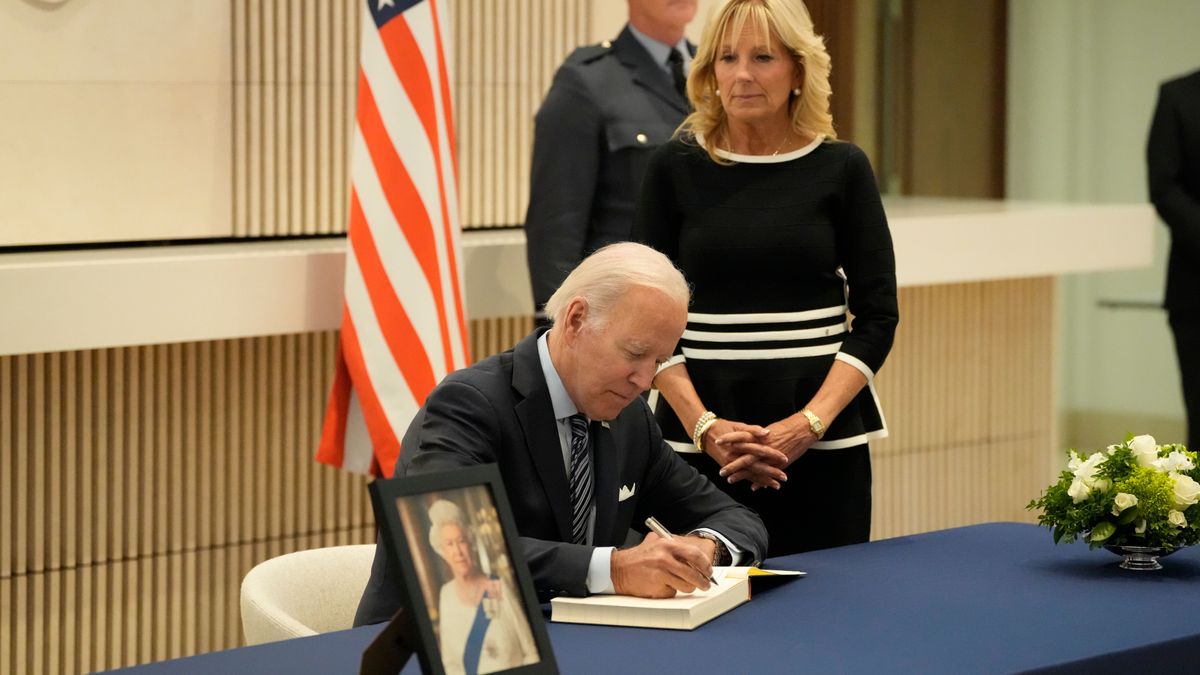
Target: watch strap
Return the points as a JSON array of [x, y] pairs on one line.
[[814, 423], [721, 554]]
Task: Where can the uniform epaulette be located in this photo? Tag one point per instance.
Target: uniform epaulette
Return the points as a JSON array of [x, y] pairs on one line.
[[589, 53]]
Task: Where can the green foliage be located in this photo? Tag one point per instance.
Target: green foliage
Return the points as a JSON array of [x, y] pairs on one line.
[[1154, 491], [1096, 480], [1101, 532], [1119, 463]]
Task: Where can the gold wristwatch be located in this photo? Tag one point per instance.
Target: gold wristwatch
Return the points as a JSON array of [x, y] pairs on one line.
[[814, 423]]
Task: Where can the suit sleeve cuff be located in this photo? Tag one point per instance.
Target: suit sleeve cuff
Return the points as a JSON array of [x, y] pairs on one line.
[[599, 576]]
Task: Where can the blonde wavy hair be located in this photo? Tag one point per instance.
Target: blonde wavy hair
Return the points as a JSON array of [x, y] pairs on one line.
[[784, 21]]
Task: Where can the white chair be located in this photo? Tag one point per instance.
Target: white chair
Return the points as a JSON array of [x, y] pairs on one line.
[[304, 593]]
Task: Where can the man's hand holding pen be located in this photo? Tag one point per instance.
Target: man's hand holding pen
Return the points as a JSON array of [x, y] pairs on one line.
[[662, 566]]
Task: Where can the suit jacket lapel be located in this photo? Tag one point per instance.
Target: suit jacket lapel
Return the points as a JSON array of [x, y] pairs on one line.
[[607, 470], [536, 415], [646, 73]]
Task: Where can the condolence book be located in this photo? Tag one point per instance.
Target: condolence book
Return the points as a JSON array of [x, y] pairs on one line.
[[682, 612]]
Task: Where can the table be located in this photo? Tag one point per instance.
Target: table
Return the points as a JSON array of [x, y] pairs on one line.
[[993, 598]]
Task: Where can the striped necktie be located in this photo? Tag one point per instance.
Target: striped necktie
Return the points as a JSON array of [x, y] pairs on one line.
[[581, 479]]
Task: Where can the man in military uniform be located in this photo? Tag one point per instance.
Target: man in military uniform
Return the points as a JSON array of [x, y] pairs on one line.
[[609, 106]]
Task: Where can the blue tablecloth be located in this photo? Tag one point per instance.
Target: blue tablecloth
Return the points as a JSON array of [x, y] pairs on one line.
[[992, 598]]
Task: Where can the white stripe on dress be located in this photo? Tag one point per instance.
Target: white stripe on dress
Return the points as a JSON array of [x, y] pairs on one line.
[[768, 317], [764, 335], [851, 441], [857, 363], [760, 354], [673, 361], [878, 408]]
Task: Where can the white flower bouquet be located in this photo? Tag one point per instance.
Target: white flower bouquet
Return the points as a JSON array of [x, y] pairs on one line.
[[1137, 493]]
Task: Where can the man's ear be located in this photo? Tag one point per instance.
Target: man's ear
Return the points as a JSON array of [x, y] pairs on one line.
[[575, 316]]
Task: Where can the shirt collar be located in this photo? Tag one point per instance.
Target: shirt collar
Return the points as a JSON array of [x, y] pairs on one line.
[[563, 405], [659, 51]]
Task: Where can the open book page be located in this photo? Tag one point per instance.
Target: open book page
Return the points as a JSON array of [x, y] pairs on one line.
[[760, 579], [755, 572]]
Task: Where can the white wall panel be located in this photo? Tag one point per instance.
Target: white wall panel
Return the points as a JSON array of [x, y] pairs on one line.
[[74, 41], [114, 120], [112, 161]]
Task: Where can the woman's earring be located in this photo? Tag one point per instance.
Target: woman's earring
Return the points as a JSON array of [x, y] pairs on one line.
[[717, 92], [796, 91]]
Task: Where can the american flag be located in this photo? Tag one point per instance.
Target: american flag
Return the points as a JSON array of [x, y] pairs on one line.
[[402, 321]]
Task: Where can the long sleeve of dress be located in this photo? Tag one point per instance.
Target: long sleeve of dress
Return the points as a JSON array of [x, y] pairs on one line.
[[864, 246]]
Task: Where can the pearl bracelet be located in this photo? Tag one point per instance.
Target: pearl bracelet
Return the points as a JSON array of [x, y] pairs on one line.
[[703, 424]]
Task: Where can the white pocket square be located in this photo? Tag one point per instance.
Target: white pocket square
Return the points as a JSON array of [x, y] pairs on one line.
[[626, 492]]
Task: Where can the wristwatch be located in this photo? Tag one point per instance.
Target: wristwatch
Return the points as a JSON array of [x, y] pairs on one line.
[[814, 423], [721, 555]]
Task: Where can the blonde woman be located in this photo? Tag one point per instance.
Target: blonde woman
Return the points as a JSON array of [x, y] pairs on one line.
[[780, 229]]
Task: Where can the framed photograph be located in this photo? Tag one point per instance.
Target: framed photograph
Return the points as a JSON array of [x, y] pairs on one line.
[[469, 595]]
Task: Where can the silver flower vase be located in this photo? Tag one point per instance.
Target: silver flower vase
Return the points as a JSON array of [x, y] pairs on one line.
[[1140, 558]]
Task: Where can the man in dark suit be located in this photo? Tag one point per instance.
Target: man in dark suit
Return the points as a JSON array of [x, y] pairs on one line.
[[582, 460], [609, 106], [1173, 159]]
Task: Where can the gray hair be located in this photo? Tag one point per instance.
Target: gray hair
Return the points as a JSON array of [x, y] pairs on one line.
[[441, 514], [604, 276]]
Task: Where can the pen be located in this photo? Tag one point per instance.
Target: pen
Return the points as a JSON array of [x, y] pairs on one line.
[[663, 532]]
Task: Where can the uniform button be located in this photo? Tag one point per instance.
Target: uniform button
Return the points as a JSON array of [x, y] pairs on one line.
[[641, 138]]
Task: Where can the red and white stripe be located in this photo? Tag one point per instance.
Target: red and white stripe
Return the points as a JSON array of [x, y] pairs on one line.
[[403, 326]]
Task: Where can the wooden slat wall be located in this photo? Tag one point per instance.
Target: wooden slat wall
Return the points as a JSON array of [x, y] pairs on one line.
[[139, 485], [494, 335], [294, 69], [968, 396], [294, 78], [505, 56]]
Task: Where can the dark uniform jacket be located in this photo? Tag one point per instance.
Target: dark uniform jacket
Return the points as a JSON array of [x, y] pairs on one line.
[[499, 411], [1173, 160], [608, 107]]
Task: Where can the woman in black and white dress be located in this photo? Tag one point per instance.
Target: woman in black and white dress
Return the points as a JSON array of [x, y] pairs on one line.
[[781, 231]]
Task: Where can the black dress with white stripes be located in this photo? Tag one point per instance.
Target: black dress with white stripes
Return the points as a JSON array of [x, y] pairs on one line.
[[780, 252]]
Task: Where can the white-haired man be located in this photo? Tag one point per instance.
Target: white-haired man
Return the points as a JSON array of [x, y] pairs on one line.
[[582, 460]]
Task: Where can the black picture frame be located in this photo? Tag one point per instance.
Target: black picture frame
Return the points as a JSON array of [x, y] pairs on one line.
[[508, 618]]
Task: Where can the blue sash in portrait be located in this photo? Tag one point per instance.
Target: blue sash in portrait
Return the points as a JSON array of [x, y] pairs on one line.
[[474, 647]]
